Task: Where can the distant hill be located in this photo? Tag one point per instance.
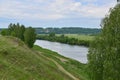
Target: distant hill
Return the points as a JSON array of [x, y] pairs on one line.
[[68, 30], [0, 29]]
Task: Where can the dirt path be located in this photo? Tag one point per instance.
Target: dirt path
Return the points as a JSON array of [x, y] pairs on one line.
[[61, 68]]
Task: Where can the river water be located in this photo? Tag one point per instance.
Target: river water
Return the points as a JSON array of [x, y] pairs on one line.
[[78, 53]]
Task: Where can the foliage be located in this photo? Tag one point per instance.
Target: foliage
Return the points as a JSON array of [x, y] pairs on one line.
[[104, 54], [64, 39], [68, 30], [27, 35], [4, 32], [52, 34], [30, 36], [17, 30]]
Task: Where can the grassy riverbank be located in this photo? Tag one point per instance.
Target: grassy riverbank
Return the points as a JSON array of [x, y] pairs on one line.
[[72, 39], [18, 62], [76, 68]]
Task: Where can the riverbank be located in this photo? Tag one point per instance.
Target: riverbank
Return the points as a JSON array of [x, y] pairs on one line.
[[74, 67], [75, 52], [64, 39]]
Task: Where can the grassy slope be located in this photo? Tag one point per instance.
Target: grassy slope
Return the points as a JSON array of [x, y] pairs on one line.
[[73, 66], [18, 62]]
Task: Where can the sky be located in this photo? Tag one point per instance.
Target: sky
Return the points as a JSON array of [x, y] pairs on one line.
[[54, 13]]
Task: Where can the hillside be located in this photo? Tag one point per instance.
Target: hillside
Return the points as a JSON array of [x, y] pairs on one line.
[[18, 62]]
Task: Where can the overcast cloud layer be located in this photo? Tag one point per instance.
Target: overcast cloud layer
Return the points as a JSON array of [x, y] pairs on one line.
[[54, 13]]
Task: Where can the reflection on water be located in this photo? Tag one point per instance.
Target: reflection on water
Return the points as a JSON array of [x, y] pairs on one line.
[[78, 53]]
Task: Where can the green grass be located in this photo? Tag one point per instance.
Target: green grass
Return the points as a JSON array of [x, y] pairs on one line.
[[18, 62], [79, 36], [76, 68]]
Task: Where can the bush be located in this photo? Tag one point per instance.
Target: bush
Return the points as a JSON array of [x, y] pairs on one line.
[[104, 53]]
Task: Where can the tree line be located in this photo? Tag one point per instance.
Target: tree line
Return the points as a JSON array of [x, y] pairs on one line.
[[68, 30], [104, 53], [27, 35], [63, 39]]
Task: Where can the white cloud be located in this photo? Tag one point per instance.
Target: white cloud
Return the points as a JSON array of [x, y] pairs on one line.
[[94, 11], [51, 9], [89, 0]]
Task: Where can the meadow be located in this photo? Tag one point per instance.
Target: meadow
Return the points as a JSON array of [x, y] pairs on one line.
[[79, 36]]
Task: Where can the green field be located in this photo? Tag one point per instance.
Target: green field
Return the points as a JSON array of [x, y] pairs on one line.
[[77, 36], [80, 36], [18, 62]]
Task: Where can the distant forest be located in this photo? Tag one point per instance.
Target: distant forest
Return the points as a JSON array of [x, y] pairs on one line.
[[68, 30]]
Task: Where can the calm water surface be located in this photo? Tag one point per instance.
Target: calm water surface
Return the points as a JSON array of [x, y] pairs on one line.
[[78, 53]]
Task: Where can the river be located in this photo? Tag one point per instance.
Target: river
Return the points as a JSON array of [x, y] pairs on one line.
[[78, 53]]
